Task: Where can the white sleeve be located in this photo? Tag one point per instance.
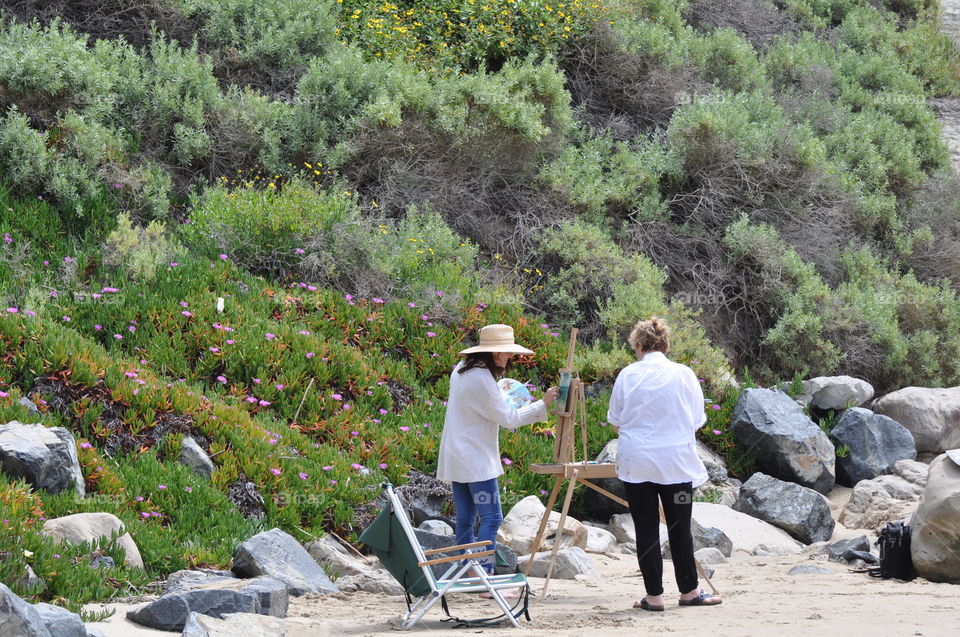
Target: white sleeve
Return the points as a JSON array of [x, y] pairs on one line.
[[615, 408], [695, 396], [490, 405]]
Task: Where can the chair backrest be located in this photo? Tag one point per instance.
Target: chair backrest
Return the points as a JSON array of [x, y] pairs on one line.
[[393, 541]]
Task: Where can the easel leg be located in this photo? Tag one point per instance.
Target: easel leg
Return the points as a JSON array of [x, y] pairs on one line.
[[559, 535], [552, 500]]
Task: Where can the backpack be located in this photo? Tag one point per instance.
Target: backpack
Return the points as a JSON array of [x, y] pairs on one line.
[[895, 560]]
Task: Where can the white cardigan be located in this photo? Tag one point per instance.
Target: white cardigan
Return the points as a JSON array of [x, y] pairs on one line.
[[470, 446]]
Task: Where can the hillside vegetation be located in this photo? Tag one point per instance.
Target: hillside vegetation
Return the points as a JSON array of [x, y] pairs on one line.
[[365, 184]]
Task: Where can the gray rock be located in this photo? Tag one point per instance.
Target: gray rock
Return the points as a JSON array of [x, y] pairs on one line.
[[630, 548], [193, 456], [935, 537], [335, 559], [600, 508], [704, 537], [279, 555], [621, 525], [94, 632], [245, 624], [788, 445], [710, 555], [600, 540], [261, 595], [931, 414], [380, 582], [801, 512], [102, 561], [44, 457], [571, 561], [19, 618], [61, 622], [29, 580], [836, 550], [836, 392], [186, 580], [29, 404], [809, 569], [438, 527], [875, 443]]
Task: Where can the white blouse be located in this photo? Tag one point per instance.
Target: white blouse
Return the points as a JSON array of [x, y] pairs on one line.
[[470, 445], [658, 406]]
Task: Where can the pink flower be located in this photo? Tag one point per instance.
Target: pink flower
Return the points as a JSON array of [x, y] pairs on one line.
[[717, 432], [304, 333], [354, 433], [264, 403], [714, 406], [275, 471], [333, 482], [348, 297], [131, 328], [187, 313], [382, 465], [222, 379], [214, 349], [188, 489], [98, 327], [162, 487], [145, 514], [299, 250], [7, 238], [327, 468], [279, 387], [346, 407], [404, 428], [223, 257], [230, 341], [184, 304], [377, 301], [12, 310], [256, 380], [336, 396], [302, 475], [119, 337], [85, 445], [431, 334], [312, 288], [251, 399], [272, 441], [110, 290], [310, 354], [139, 498], [383, 412], [507, 461], [270, 336], [67, 319], [411, 304], [357, 466]]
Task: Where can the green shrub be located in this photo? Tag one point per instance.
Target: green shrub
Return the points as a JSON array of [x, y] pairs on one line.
[[139, 252], [23, 151]]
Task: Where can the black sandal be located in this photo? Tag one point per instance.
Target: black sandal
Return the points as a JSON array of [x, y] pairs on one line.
[[645, 605], [703, 599]]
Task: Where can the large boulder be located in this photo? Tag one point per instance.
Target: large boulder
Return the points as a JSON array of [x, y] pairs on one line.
[[60, 622], [90, 527], [875, 502], [932, 415], [600, 508], [261, 595], [935, 538], [744, 531], [46, 457], [19, 618], [600, 540], [519, 528], [570, 562], [788, 445], [720, 483], [703, 538], [279, 555], [874, 444], [801, 512], [835, 392]]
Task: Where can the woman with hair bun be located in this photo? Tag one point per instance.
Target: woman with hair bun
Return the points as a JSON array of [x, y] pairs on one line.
[[656, 408]]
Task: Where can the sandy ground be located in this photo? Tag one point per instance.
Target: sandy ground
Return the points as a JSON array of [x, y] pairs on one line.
[[760, 598]]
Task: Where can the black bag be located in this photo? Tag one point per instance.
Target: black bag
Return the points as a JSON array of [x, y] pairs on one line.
[[895, 560]]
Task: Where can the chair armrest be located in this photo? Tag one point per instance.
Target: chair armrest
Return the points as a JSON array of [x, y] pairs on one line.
[[456, 558], [458, 547]]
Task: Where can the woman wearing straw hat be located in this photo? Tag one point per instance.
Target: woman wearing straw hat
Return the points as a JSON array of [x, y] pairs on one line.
[[469, 447], [656, 407]]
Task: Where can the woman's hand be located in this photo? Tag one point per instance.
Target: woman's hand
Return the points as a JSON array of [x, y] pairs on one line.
[[550, 395]]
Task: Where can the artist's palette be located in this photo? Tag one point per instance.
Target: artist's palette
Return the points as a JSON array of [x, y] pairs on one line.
[[514, 393]]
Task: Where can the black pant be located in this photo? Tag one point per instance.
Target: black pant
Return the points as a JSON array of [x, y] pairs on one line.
[[677, 509]]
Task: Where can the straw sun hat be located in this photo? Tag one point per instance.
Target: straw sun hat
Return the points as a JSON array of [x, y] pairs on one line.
[[497, 338]]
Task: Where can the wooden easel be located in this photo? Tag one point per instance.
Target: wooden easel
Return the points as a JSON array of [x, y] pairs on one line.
[[566, 467]]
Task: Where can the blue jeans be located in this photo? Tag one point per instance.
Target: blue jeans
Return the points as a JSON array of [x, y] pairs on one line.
[[478, 498]]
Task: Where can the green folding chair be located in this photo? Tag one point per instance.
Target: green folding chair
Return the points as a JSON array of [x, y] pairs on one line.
[[392, 539]]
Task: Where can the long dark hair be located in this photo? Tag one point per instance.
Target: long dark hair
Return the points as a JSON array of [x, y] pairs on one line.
[[484, 360]]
